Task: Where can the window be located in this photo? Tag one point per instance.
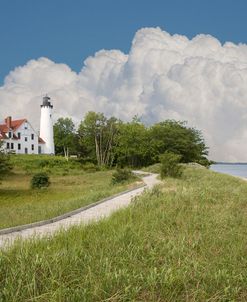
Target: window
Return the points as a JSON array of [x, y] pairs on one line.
[[12, 146], [19, 135], [7, 145], [19, 146], [32, 136], [32, 147], [25, 139], [10, 135]]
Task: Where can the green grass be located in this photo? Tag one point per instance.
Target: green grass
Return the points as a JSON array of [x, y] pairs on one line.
[[56, 165], [19, 204], [183, 241], [155, 168]]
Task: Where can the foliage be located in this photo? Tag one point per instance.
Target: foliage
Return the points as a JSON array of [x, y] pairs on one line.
[[122, 175], [55, 165], [205, 162], [185, 242], [174, 136], [133, 144], [170, 165], [65, 137], [40, 180], [112, 142], [97, 137], [5, 165]]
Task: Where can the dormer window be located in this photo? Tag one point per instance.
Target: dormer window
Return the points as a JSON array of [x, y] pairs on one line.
[[19, 135], [10, 134]]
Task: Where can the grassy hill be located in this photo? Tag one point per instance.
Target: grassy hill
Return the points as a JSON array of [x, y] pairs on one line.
[[73, 185], [183, 241]]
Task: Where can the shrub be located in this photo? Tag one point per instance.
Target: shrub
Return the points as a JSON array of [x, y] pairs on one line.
[[121, 175], [40, 180], [170, 165], [205, 162], [5, 165]]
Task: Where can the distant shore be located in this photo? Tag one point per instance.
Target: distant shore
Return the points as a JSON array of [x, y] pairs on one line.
[[234, 169], [230, 163]]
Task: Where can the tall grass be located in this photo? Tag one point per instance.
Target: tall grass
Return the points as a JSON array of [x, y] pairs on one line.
[[183, 241], [155, 168]]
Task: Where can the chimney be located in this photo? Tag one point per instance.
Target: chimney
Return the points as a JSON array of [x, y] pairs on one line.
[[8, 121]]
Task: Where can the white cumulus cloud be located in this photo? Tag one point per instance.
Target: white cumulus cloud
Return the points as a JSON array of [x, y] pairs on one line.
[[163, 77]]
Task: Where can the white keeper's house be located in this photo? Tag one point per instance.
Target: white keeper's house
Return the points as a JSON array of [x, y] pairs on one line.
[[20, 137]]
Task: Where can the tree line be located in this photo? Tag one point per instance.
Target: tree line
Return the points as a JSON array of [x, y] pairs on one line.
[[112, 142]]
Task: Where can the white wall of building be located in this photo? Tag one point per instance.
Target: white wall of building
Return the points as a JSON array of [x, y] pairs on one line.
[[28, 142]]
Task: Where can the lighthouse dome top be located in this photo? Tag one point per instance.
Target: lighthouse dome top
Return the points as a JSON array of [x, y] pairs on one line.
[[46, 102]]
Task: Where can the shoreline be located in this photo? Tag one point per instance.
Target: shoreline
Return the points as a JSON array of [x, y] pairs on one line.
[[230, 174]]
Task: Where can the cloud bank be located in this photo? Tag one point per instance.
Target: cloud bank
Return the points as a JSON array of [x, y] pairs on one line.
[[162, 77]]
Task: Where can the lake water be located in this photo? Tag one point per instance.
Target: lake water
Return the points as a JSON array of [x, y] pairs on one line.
[[232, 169]]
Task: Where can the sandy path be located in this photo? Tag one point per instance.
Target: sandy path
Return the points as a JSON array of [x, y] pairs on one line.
[[92, 214]]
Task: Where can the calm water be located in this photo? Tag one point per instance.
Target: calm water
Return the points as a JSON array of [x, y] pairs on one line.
[[234, 169]]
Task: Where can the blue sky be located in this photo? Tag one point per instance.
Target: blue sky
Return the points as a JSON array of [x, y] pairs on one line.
[[69, 31], [163, 77]]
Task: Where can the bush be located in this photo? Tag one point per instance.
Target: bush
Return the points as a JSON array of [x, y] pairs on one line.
[[121, 175], [204, 162], [170, 165], [5, 165], [40, 180]]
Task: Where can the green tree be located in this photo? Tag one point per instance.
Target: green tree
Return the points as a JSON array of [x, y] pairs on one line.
[[113, 142], [133, 148], [97, 137], [174, 136], [64, 136]]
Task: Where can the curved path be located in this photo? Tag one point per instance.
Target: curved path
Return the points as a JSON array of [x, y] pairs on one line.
[[94, 213]]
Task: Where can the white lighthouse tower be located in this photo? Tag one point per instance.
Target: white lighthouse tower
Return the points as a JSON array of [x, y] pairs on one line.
[[46, 125]]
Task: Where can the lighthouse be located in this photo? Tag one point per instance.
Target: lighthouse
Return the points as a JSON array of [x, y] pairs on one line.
[[46, 125]]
